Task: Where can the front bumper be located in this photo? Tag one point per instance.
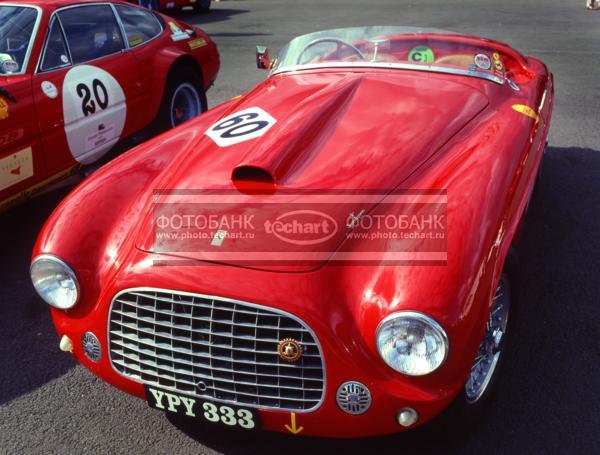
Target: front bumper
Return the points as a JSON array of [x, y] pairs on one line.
[[345, 356]]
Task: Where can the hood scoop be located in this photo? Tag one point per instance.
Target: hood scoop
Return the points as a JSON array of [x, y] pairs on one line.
[[250, 179], [301, 136]]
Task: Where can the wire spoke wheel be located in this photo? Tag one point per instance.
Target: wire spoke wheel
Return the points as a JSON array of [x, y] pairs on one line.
[[490, 350]]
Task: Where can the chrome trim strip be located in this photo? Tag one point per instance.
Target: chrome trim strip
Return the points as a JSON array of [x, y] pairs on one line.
[[160, 24], [39, 69], [387, 65], [233, 301], [121, 26], [33, 35]]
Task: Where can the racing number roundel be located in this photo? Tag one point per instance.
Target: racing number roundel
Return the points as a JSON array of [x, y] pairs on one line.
[[94, 110], [241, 126]]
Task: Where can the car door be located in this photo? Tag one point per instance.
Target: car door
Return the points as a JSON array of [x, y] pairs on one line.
[[21, 158], [87, 87], [143, 29]]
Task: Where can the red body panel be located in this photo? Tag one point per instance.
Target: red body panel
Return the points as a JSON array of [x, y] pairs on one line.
[[40, 122], [484, 153]]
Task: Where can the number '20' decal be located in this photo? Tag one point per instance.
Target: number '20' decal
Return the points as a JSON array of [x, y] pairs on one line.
[[98, 95], [241, 126]]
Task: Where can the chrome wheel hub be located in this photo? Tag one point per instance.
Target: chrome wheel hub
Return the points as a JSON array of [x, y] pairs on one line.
[[185, 104], [490, 349]]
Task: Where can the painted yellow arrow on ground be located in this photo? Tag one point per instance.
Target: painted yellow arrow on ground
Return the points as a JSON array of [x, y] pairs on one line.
[[293, 429]]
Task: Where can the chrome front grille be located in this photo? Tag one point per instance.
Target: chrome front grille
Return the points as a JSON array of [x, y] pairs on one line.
[[214, 348]]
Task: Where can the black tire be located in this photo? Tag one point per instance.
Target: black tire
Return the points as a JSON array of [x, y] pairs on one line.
[[180, 76], [465, 413], [202, 6]]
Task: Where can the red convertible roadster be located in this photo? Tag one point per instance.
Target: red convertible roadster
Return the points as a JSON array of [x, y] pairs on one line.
[[78, 76], [330, 254]]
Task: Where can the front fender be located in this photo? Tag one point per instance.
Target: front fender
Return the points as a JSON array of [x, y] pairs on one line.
[[488, 171], [92, 228]]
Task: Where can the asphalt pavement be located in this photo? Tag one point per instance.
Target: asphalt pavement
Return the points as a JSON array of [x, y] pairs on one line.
[[548, 399]]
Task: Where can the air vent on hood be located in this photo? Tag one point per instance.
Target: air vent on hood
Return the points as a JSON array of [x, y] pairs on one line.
[[252, 178]]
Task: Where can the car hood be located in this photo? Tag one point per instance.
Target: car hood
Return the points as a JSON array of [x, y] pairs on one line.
[[345, 133]]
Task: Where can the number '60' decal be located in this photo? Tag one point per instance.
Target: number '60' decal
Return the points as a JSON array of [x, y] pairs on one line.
[[241, 126]]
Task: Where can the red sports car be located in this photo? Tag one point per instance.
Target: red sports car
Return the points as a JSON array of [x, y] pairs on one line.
[[330, 254], [77, 76]]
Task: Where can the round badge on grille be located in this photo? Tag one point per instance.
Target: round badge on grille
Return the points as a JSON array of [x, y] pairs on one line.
[[353, 397], [289, 350], [91, 346]]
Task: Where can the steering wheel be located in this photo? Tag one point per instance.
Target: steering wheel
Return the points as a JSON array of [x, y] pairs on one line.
[[337, 41]]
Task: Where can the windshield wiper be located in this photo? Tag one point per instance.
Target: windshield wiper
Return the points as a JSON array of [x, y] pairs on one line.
[[7, 95]]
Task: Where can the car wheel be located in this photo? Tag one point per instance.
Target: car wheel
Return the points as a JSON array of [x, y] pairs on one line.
[[486, 363], [183, 98], [467, 409], [202, 6]]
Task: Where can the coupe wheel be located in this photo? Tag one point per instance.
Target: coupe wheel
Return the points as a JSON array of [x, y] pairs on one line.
[[202, 6], [185, 104], [183, 98]]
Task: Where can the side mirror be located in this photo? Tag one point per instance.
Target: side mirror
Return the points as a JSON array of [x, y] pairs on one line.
[[263, 61]]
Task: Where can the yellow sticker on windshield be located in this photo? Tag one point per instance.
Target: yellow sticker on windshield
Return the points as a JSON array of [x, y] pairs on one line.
[[526, 110], [3, 109]]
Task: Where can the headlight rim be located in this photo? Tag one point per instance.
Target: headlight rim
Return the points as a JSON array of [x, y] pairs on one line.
[[68, 268], [422, 317]]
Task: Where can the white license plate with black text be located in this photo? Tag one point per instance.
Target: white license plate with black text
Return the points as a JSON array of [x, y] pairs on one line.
[[201, 408]]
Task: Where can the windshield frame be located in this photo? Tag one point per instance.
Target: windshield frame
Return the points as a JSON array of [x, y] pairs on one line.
[[432, 68], [34, 33], [383, 65]]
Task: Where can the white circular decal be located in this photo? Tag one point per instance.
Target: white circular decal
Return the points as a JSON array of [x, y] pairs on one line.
[[241, 126], [10, 67], [483, 61], [49, 89], [94, 112]]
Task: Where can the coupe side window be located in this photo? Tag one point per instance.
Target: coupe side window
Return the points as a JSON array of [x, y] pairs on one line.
[[92, 32], [140, 26], [56, 54]]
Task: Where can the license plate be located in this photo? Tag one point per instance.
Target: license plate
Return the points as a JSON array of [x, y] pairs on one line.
[[201, 408]]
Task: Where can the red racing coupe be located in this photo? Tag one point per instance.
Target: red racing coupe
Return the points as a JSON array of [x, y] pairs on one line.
[[331, 254], [76, 77]]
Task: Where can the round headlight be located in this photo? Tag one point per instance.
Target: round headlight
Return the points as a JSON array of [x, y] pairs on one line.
[[54, 281], [412, 343]]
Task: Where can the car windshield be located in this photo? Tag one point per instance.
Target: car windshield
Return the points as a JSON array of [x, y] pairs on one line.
[[16, 29], [390, 46]]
